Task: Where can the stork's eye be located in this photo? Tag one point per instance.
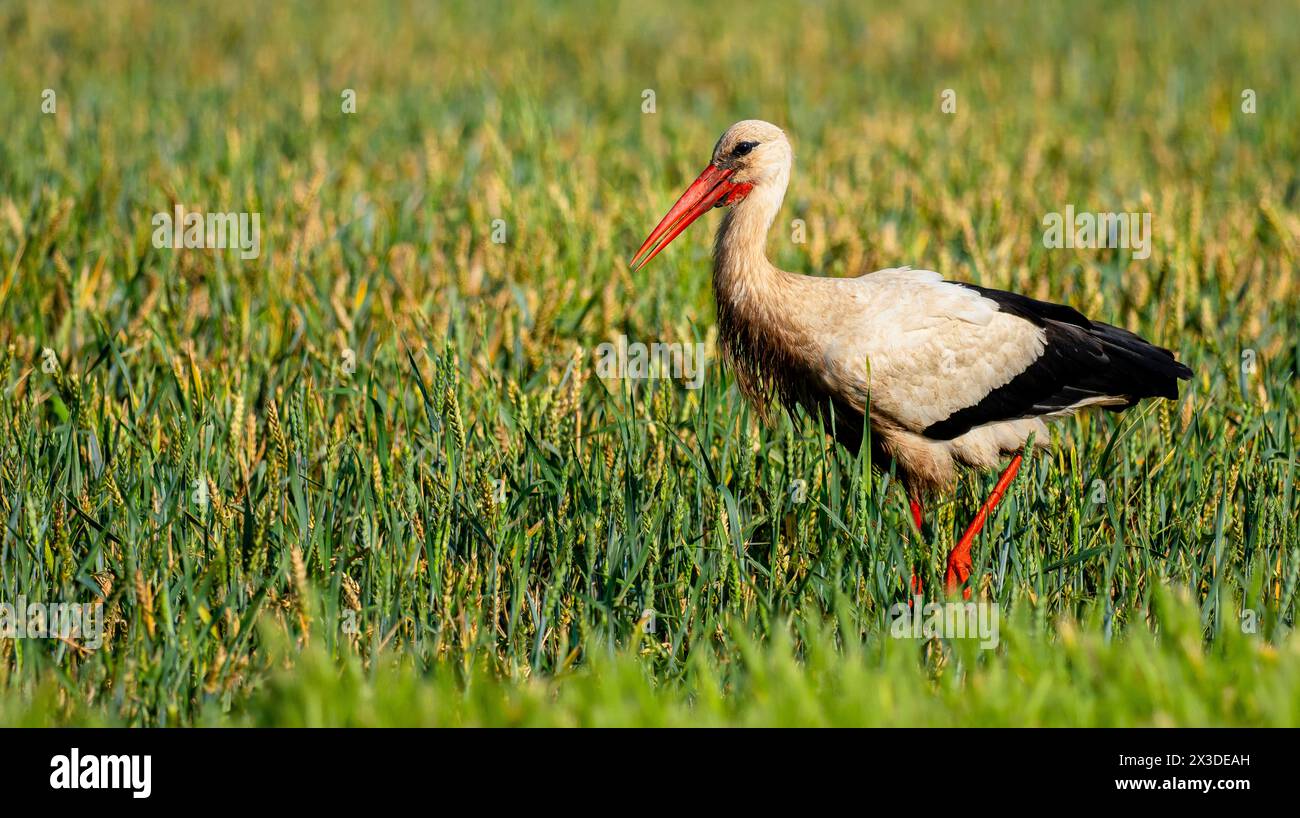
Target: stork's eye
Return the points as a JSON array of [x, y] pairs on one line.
[[744, 148]]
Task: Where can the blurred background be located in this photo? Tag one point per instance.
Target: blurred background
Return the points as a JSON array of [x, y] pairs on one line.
[[468, 492]]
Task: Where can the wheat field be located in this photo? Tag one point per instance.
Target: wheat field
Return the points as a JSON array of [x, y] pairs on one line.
[[372, 475]]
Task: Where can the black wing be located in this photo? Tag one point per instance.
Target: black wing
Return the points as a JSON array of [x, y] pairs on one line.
[[1081, 360]]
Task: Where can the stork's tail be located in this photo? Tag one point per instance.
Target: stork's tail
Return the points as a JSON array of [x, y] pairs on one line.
[[1138, 368]]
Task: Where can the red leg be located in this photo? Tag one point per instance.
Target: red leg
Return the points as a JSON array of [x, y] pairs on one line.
[[959, 562], [917, 588]]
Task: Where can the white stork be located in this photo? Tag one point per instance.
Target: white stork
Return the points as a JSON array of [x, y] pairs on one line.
[[957, 374]]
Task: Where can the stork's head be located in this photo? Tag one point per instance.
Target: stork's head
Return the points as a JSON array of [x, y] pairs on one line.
[[755, 151], [751, 155]]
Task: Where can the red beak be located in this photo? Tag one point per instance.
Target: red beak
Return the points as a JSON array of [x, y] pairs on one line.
[[710, 188]]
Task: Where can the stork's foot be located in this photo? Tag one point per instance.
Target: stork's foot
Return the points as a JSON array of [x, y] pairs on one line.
[[959, 570]]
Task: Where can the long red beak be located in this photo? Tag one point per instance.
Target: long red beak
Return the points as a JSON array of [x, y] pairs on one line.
[[706, 191]]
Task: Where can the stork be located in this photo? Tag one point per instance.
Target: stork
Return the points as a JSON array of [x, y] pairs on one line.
[[944, 374]]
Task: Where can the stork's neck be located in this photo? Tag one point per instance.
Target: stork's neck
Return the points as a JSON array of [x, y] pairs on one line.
[[760, 332], [743, 278]]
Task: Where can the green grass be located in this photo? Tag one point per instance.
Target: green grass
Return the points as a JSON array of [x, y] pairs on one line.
[[800, 676], [356, 562]]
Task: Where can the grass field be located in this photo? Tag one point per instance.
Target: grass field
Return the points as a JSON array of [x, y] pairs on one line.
[[372, 477]]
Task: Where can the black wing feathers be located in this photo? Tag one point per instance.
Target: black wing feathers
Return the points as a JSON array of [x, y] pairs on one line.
[[1031, 309], [1081, 360]]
